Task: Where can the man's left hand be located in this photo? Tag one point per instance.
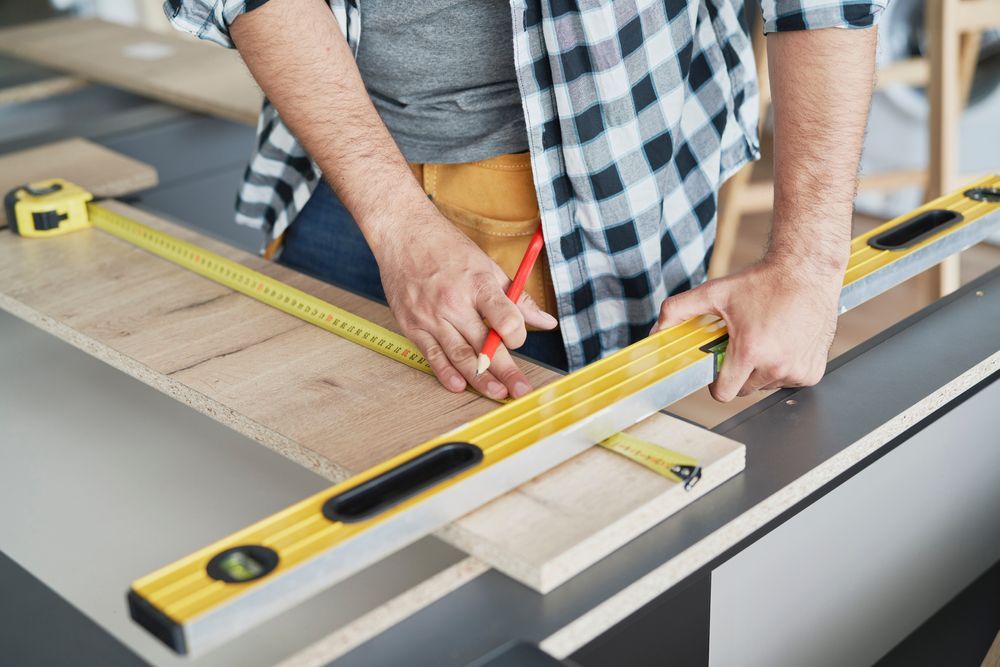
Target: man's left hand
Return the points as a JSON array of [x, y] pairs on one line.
[[781, 317]]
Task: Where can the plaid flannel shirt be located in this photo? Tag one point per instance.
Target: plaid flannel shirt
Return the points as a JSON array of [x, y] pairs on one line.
[[636, 112]]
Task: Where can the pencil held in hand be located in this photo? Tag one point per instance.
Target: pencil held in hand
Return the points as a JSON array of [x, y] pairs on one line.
[[514, 294]]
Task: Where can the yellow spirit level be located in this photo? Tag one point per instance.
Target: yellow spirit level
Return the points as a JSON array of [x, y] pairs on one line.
[[242, 580]]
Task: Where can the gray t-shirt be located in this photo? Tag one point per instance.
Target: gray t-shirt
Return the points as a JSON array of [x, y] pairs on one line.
[[441, 74]]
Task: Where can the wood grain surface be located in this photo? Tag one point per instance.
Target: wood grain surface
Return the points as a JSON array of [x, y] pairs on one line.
[[326, 403], [185, 72], [103, 172]]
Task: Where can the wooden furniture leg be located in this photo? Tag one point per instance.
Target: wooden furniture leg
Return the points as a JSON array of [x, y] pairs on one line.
[[943, 91], [732, 200], [953, 51]]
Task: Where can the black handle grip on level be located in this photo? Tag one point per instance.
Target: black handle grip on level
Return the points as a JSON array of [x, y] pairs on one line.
[[405, 480], [914, 230]]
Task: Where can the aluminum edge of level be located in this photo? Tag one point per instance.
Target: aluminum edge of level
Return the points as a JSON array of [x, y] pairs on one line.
[[302, 582], [917, 261]]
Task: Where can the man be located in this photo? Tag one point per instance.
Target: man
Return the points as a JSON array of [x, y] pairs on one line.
[[613, 123]]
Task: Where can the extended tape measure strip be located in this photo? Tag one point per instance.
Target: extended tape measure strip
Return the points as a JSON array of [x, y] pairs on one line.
[[261, 287], [199, 601]]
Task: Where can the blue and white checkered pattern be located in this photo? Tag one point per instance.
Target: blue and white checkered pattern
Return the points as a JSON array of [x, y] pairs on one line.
[[636, 110]]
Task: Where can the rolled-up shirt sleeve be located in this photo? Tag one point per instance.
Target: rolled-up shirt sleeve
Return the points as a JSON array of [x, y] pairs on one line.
[[208, 19], [785, 15]]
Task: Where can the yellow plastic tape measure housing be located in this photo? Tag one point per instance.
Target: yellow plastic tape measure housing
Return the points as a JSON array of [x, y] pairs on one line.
[[47, 208]]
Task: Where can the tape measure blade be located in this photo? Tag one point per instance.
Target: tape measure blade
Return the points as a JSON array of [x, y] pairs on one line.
[[261, 287]]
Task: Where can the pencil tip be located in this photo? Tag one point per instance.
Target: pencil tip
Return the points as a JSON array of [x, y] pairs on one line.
[[482, 364]]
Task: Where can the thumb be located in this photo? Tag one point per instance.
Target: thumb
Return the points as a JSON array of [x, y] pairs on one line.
[[535, 316], [684, 306]]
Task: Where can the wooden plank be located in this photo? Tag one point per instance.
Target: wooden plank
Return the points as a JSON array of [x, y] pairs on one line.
[[188, 73], [102, 171]]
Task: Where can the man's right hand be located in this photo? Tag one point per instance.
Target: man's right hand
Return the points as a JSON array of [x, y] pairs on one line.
[[441, 287], [439, 283]]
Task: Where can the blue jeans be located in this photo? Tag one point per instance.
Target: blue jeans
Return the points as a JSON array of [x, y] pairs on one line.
[[326, 243]]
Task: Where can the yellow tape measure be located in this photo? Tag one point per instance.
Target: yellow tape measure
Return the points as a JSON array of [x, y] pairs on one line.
[[672, 465], [55, 207]]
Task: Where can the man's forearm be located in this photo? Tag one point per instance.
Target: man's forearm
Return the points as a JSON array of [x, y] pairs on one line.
[[440, 285], [821, 84], [301, 60]]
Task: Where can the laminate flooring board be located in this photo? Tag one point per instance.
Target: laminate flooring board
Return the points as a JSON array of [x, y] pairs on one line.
[[185, 72], [103, 172]]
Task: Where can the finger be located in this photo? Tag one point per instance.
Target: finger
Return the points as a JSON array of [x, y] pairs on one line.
[[736, 368], [756, 382], [463, 356], [502, 315], [682, 307], [435, 355], [505, 369], [533, 315]]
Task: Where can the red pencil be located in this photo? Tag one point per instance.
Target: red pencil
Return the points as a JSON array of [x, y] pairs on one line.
[[513, 293]]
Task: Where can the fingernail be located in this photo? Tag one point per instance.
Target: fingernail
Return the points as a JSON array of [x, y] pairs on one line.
[[456, 383], [521, 388], [551, 321], [495, 389]]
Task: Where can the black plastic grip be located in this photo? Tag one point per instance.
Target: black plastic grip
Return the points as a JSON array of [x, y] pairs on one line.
[[156, 622], [405, 480], [911, 232]]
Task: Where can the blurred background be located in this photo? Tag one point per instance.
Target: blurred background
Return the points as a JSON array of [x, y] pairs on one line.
[[938, 95]]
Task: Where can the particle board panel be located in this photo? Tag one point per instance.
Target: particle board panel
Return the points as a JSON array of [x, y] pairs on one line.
[[184, 72], [326, 403], [104, 172]]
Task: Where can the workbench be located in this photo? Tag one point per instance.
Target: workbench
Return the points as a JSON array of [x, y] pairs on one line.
[[883, 475]]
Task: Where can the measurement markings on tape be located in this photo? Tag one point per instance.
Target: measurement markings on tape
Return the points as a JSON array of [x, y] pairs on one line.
[[661, 460], [227, 587], [264, 288], [33, 206]]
